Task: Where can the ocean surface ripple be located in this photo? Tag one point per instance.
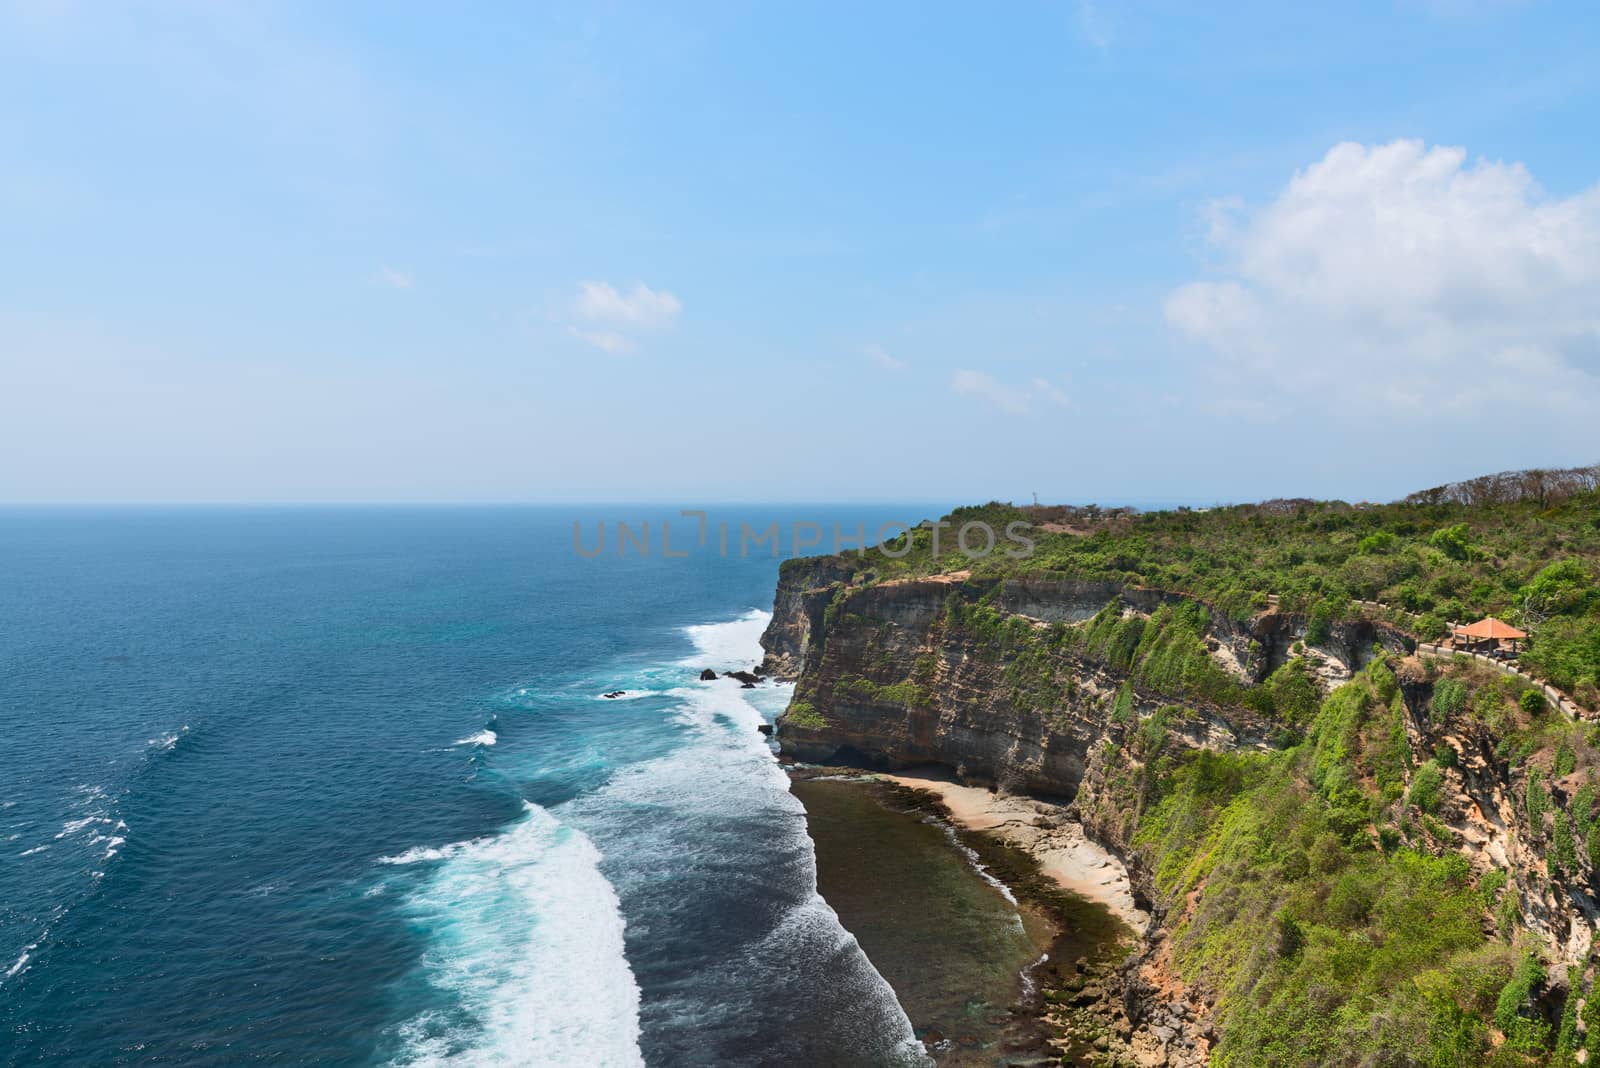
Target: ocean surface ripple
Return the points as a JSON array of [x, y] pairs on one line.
[[342, 787]]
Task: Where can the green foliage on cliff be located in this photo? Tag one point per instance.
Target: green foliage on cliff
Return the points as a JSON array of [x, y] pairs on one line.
[[1425, 784], [1318, 889], [1295, 695], [906, 693], [1331, 934], [804, 714], [1122, 710], [1449, 697], [1533, 561], [1452, 541], [1165, 653]]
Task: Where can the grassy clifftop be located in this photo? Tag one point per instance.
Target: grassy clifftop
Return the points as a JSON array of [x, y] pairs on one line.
[[1357, 856], [1524, 547]]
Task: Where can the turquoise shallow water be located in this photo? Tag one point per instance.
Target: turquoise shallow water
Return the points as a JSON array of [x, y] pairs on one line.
[[324, 786]]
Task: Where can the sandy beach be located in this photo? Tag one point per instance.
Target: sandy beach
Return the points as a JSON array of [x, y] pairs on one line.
[[1044, 831], [994, 959]]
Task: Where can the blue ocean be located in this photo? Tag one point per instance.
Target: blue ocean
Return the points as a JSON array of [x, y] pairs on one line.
[[342, 787]]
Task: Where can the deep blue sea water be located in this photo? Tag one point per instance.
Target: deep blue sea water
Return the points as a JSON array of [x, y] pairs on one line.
[[338, 787]]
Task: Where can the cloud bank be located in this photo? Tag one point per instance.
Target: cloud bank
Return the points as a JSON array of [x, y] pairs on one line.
[[1403, 277]]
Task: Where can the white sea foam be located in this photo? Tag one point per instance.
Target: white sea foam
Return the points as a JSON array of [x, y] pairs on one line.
[[976, 864], [527, 936], [31, 852], [21, 964], [483, 737], [525, 933], [167, 741], [420, 854], [725, 770], [112, 844], [74, 826], [731, 645], [1030, 985]]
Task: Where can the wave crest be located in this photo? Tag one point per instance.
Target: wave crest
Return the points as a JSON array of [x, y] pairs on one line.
[[526, 936]]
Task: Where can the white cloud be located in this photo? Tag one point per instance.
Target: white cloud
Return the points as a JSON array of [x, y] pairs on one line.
[[644, 307], [1015, 400], [396, 279], [1403, 278], [617, 318], [880, 356]]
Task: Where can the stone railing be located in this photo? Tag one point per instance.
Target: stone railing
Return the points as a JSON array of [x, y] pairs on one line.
[[1553, 695], [1405, 618]]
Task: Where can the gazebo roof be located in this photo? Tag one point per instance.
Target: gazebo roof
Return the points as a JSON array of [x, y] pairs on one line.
[[1490, 627]]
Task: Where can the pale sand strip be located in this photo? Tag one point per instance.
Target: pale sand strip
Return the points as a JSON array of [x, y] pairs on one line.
[[1042, 830]]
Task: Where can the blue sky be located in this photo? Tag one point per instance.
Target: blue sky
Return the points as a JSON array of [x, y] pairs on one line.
[[679, 253]]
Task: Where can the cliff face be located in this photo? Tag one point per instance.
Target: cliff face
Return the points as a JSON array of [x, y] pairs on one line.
[[1088, 691], [806, 587], [889, 678]]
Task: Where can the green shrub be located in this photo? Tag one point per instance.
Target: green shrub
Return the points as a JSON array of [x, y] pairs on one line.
[[1516, 996], [1490, 886], [1122, 711], [1532, 702], [1591, 1019], [1430, 627], [1567, 1032], [804, 714], [1381, 542], [1582, 807], [1295, 694], [1563, 588], [1563, 852], [1425, 785], [1538, 801], [1452, 541], [1565, 759], [1449, 697]]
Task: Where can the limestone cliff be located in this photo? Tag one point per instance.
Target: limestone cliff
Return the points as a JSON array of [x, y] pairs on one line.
[[888, 677], [1085, 690]]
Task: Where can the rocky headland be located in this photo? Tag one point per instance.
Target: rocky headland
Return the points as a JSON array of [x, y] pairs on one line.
[[1138, 743]]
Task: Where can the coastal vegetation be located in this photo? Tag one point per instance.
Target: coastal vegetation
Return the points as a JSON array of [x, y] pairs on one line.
[[1322, 893], [1524, 546], [805, 714], [1358, 855]]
